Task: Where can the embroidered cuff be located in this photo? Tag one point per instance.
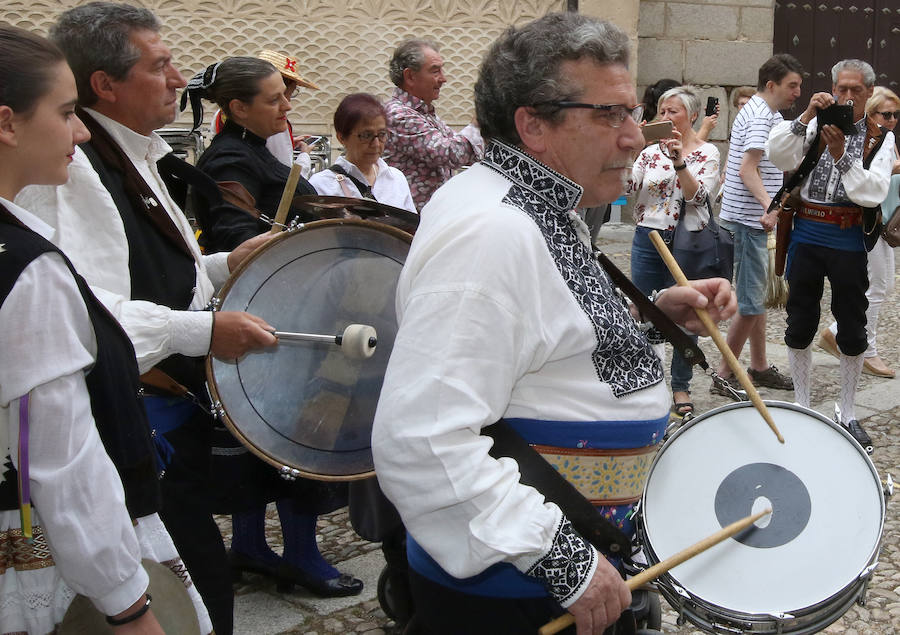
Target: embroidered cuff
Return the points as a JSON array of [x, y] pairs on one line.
[[568, 567], [798, 128], [191, 332], [844, 163]]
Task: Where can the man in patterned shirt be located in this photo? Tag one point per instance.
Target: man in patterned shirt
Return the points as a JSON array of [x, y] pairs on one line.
[[750, 182], [421, 145]]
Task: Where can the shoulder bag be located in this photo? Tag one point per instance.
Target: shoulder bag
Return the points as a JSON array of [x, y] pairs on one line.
[[704, 253]]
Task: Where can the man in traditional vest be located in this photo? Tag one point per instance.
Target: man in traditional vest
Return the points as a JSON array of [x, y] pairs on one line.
[[853, 171], [119, 224]]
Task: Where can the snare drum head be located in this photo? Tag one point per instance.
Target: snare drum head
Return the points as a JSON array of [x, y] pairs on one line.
[[825, 495], [307, 405]]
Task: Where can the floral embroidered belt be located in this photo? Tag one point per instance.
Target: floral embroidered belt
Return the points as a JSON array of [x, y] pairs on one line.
[[604, 477]]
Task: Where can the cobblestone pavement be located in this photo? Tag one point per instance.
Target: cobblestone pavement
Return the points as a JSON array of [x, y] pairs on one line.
[[879, 412]]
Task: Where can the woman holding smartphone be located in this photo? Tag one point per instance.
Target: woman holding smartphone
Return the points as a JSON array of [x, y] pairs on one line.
[[671, 178]]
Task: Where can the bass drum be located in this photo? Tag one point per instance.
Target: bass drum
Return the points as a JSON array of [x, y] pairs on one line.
[[306, 407], [800, 568]]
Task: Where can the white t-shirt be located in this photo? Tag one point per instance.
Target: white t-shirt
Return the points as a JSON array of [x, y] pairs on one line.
[[750, 131]]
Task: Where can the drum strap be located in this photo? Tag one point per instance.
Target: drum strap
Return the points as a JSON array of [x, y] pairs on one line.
[[671, 331], [539, 474]]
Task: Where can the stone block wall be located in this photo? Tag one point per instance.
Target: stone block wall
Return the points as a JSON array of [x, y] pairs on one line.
[[716, 45]]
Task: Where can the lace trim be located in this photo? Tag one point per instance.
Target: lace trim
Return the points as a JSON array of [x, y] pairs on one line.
[[569, 565]]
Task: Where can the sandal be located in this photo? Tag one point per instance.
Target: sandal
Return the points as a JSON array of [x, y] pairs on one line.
[[682, 408]]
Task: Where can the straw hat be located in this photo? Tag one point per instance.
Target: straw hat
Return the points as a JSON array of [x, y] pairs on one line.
[[287, 66]]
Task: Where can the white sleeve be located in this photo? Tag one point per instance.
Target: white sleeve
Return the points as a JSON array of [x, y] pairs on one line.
[[788, 143], [461, 346], [156, 331], [217, 268], [75, 488], [868, 187]]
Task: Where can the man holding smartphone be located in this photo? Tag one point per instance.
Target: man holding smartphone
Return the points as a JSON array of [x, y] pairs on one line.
[[750, 182], [854, 171]]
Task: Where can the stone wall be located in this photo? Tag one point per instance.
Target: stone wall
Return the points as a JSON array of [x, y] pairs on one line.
[[713, 44], [343, 45]]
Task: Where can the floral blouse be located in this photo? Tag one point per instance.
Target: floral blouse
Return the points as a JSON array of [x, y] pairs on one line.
[[654, 179]]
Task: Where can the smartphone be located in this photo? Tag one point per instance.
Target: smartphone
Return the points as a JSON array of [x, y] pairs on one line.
[[711, 104], [838, 115], [311, 140], [657, 130]]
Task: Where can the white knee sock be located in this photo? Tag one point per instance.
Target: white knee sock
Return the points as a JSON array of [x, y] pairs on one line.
[[800, 362], [851, 368]]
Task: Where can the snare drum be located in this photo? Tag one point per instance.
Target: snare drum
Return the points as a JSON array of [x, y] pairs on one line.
[[800, 568], [306, 407]]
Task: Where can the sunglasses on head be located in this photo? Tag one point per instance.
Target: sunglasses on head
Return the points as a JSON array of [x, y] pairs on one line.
[[890, 115]]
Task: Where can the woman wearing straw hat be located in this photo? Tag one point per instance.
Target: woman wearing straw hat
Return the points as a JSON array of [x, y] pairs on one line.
[[251, 93]]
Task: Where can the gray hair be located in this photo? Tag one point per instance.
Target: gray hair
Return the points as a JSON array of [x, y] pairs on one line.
[[410, 54], [522, 68], [854, 66], [688, 96], [97, 37]]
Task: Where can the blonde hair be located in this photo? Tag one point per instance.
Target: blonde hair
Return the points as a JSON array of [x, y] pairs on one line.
[[741, 91], [880, 94]]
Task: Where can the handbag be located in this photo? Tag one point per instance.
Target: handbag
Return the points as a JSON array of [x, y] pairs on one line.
[[704, 253], [891, 231]]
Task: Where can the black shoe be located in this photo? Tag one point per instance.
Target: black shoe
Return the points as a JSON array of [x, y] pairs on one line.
[[341, 586], [239, 563], [771, 378], [857, 432]]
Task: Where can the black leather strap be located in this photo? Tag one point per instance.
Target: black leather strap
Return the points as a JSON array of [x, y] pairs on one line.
[[671, 331], [365, 190], [536, 472]]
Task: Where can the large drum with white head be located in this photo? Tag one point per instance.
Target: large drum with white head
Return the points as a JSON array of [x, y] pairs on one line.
[[798, 569]]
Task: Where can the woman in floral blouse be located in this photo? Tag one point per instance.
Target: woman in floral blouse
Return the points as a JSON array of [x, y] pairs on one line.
[[671, 177]]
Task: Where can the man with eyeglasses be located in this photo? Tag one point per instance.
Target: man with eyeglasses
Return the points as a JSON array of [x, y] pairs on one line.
[[422, 146], [750, 183], [505, 313], [827, 240]]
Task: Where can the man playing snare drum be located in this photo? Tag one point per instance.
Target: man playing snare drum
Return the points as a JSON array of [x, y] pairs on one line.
[[504, 312]]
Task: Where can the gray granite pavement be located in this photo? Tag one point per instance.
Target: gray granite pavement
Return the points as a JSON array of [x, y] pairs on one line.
[[260, 610]]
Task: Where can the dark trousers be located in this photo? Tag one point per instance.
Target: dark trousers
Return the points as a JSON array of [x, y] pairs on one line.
[[846, 272], [187, 514]]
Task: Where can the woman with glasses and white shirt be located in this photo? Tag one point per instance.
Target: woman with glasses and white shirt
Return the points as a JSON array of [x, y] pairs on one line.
[[361, 126], [883, 107]]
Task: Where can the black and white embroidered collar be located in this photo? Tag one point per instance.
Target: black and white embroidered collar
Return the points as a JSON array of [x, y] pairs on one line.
[[524, 170], [622, 355]]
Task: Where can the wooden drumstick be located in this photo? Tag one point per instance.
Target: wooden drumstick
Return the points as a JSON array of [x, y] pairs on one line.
[[286, 197], [713, 331], [651, 573]]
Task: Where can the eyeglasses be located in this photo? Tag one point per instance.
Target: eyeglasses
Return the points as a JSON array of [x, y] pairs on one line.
[[368, 136], [890, 115], [615, 113]]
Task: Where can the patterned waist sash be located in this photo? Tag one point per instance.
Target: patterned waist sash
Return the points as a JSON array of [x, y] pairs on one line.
[[604, 477]]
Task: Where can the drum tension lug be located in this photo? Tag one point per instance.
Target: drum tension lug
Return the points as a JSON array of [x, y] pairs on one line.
[[289, 473], [218, 410]]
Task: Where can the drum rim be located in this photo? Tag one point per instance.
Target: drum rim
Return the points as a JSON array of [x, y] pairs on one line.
[[669, 583], [289, 471]]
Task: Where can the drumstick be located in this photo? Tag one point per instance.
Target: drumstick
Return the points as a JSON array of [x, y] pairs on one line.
[[713, 331], [651, 573], [286, 197], [358, 341]]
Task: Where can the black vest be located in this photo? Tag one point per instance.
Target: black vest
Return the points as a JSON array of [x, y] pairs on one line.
[[112, 382]]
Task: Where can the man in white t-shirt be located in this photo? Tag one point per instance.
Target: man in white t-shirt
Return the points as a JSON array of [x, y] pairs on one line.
[[750, 182]]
